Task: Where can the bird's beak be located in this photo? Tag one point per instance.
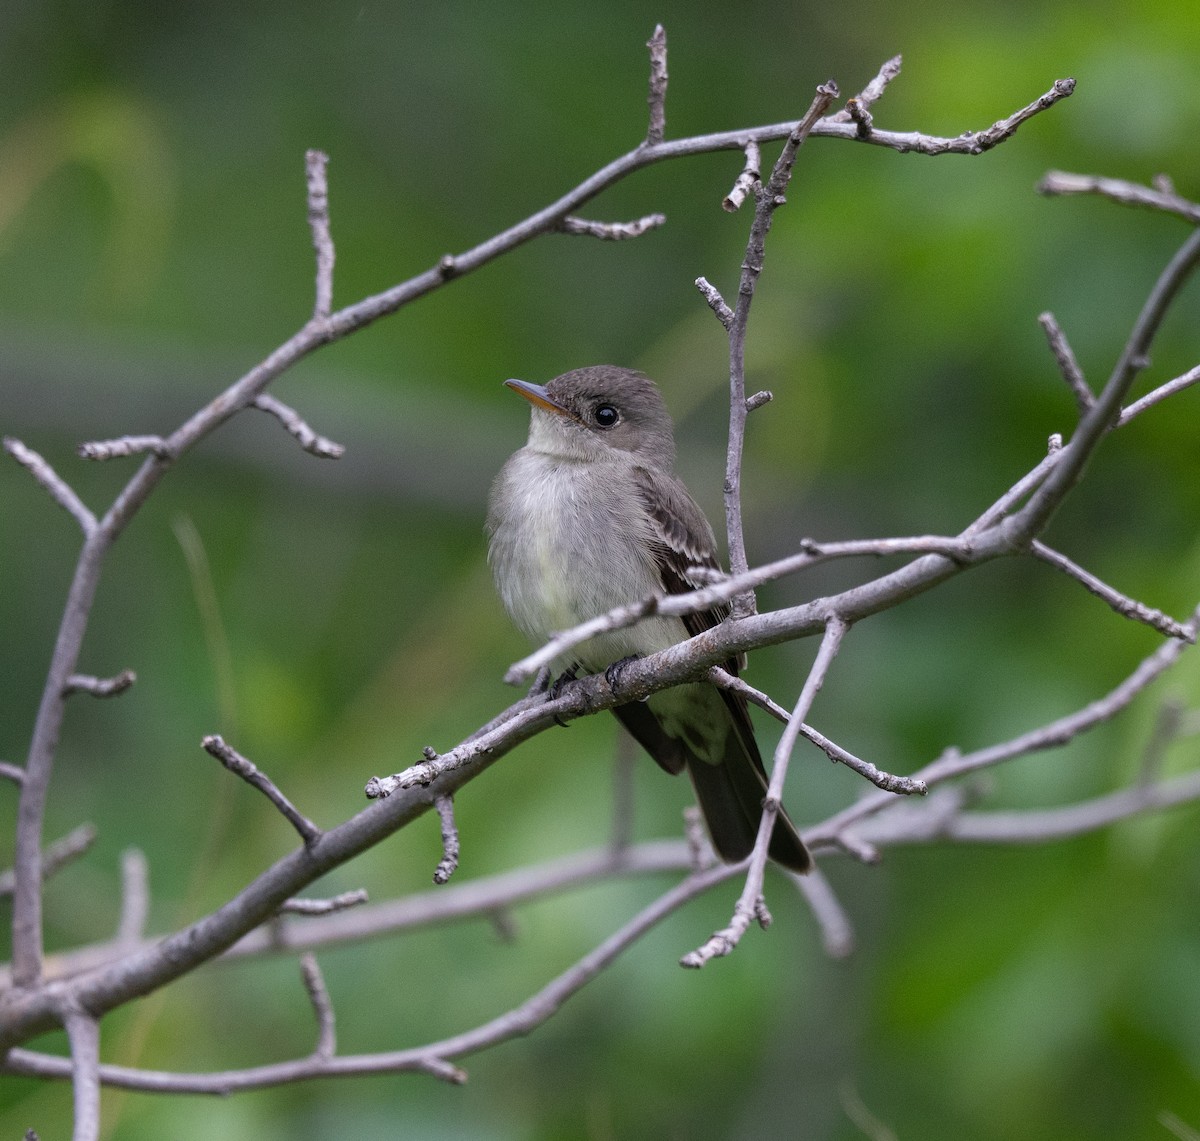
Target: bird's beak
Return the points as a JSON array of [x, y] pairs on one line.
[[536, 394]]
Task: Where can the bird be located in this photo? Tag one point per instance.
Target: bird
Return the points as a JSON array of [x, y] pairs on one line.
[[589, 515]]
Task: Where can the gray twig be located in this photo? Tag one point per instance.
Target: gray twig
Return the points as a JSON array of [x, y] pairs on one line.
[[309, 440], [1061, 182], [100, 686], [750, 905], [449, 860], [124, 446], [318, 995], [341, 902], [768, 199], [135, 897], [83, 1034], [745, 181], [215, 746], [657, 96], [611, 231], [715, 301], [315, 163], [59, 490], [1067, 364], [11, 772], [56, 856], [1124, 605]]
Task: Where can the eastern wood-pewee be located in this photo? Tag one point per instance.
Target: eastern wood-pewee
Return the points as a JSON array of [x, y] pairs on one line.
[[589, 515]]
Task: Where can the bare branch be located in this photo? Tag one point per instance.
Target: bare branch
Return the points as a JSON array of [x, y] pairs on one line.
[[750, 904], [318, 995], [1101, 417], [12, 772], [449, 861], [315, 163], [1158, 395], [56, 857], [1052, 735], [906, 824], [135, 897], [611, 231], [83, 1033], [1122, 604], [100, 687], [432, 1058], [1060, 182], [837, 933], [744, 184], [124, 446], [906, 786], [768, 199], [1005, 128], [870, 94], [52, 482], [215, 746], [727, 587], [1067, 364], [625, 758], [291, 420], [324, 906], [657, 97], [715, 301]]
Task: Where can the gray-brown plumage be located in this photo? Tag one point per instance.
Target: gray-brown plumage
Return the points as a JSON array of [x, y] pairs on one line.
[[590, 515]]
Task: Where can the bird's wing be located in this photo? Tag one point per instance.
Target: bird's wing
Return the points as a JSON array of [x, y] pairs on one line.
[[682, 540]]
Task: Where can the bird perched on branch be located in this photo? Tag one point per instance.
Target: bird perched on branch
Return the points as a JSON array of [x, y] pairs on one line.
[[589, 515]]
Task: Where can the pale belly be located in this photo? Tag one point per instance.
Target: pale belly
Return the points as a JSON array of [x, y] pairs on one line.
[[567, 553]]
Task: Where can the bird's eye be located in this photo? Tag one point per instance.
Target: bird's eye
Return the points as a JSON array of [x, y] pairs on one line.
[[606, 416]]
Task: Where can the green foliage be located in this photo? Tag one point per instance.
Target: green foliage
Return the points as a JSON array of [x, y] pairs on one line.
[[153, 246]]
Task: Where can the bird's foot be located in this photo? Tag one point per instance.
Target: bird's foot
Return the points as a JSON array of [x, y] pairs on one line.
[[612, 673], [556, 687]]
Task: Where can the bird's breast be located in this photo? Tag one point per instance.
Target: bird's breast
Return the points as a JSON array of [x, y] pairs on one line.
[[570, 541]]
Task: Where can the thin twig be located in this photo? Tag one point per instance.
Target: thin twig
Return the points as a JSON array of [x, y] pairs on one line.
[[315, 163], [727, 587], [1178, 384], [1067, 364], [1061, 182], [100, 686], [837, 932], [318, 995], [611, 231], [745, 181], [215, 746], [135, 897], [431, 1058], [1061, 731], [1102, 416], [309, 440], [750, 903], [768, 199], [450, 845], [889, 782], [873, 91], [340, 902], [83, 1033], [124, 446], [624, 770], [1124, 605], [657, 96], [715, 301], [59, 490], [11, 772], [57, 856]]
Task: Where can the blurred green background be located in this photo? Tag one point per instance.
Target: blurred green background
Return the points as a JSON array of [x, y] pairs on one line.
[[338, 617]]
